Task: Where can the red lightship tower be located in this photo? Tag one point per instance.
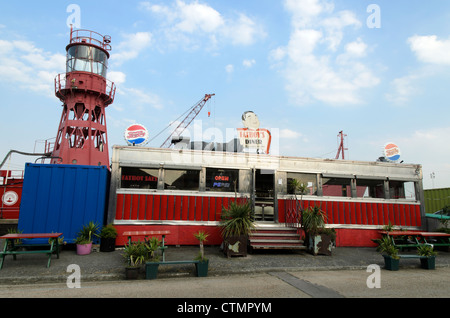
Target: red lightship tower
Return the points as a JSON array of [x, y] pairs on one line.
[[85, 93]]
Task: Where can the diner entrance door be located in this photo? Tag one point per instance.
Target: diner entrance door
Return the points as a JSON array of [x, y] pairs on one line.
[[264, 194]]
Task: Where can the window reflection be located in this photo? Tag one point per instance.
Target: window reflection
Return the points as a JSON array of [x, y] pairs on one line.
[[85, 58], [181, 179], [337, 187]]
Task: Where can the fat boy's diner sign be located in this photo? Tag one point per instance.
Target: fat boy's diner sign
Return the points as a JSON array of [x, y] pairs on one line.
[[252, 137]]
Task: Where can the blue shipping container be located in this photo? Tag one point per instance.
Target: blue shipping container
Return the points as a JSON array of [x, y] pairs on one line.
[[63, 198]]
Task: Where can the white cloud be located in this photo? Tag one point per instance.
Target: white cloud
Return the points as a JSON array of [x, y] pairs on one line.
[[357, 48], [188, 24], [117, 77], [24, 65], [429, 49], [403, 89], [248, 63], [197, 17], [313, 76], [131, 47], [142, 99], [433, 53], [229, 68], [433, 154], [289, 134], [244, 31]]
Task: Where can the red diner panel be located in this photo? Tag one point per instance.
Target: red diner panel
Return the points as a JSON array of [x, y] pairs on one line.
[[149, 209], [119, 206], [198, 208], [170, 207], [127, 207], [178, 207], [407, 215], [191, 211]]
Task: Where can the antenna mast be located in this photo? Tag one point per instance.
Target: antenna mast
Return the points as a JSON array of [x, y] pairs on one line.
[[341, 145]]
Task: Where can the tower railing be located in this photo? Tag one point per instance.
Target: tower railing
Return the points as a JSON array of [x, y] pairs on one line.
[[90, 37], [61, 85]]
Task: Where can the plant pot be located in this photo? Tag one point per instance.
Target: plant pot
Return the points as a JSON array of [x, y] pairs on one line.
[[151, 270], [132, 272], [107, 244], [235, 246], [320, 244], [390, 263], [202, 268], [428, 263], [84, 249]]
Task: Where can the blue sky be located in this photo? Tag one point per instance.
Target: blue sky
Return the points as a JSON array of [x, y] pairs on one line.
[[307, 68]]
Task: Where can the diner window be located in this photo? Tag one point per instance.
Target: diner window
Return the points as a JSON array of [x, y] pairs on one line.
[[222, 180], [402, 190], [181, 179], [308, 179], [139, 178], [367, 188], [336, 187]]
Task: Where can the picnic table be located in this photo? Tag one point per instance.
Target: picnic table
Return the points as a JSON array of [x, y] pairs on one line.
[[11, 248], [131, 234], [406, 239]]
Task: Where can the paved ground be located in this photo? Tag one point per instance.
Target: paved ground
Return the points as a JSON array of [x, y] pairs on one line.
[[277, 288], [109, 266]]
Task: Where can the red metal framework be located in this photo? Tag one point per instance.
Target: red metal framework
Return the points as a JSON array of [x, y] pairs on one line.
[[85, 93]]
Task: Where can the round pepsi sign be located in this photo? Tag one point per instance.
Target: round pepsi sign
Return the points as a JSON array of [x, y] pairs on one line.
[[136, 135], [391, 152]]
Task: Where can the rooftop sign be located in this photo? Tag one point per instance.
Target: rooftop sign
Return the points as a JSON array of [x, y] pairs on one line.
[[252, 137], [391, 152], [136, 135]]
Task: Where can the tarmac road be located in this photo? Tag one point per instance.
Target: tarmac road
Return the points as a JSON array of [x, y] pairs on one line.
[[406, 283]]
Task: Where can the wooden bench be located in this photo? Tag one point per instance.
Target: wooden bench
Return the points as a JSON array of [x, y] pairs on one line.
[[436, 238], [151, 268], [401, 238], [10, 248], [146, 234]]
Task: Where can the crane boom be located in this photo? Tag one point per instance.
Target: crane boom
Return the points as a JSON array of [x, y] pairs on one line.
[[196, 109]]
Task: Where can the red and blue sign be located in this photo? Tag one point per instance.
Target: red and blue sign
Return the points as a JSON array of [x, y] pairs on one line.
[[136, 135], [391, 152]]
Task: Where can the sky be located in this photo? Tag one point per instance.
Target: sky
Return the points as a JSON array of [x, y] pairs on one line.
[[376, 70]]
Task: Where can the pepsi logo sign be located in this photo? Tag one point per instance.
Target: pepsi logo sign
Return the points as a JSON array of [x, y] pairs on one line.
[[391, 152], [136, 135]]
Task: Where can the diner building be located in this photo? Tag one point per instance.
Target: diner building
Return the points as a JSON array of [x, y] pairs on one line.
[[185, 190]]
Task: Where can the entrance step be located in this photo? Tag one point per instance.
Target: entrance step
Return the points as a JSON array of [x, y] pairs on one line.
[[276, 238]]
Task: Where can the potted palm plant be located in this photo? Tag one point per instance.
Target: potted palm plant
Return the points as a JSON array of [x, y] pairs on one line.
[[236, 224], [320, 239], [135, 254], [297, 187], [428, 259], [390, 253], [85, 238], [202, 265], [151, 268], [108, 236]]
